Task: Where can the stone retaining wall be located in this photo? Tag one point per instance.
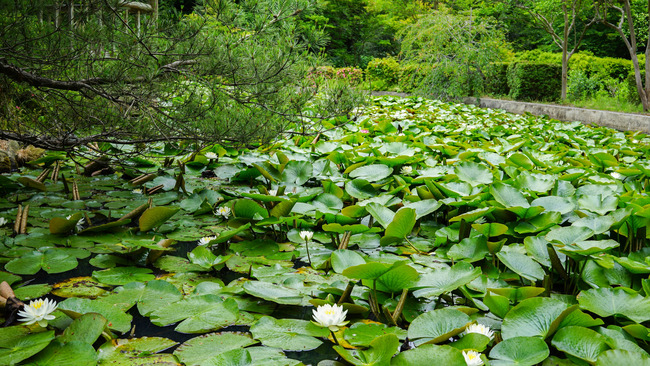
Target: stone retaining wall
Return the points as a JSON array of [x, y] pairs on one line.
[[616, 120]]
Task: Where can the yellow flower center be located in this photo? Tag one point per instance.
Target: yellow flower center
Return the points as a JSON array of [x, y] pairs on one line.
[[329, 312], [471, 356], [38, 305]]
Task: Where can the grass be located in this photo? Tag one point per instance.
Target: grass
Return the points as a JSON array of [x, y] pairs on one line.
[[608, 103]]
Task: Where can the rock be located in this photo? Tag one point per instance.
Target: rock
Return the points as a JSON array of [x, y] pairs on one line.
[[8, 152], [12, 156], [29, 153]]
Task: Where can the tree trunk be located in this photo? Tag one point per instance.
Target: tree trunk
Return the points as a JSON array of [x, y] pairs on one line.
[[565, 72]]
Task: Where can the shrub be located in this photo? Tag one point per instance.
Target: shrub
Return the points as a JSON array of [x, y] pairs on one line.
[[581, 86], [352, 75], [411, 76], [496, 78], [633, 94], [534, 81], [383, 69]]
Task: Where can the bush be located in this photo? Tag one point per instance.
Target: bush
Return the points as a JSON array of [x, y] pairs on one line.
[[534, 81], [580, 86], [633, 94], [496, 78], [411, 76], [385, 70], [352, 75]]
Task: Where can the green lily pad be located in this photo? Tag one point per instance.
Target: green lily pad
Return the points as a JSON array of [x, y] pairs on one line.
[[275, 293], [371, 173], [156, 216], [51, 260], [401, 226], [137, 352], [617, 357], [616, 301], [580, 342], [521, 351], [123, 275], [535, 317], [437, 325], [430, 354], [199, 349], [445, 280], [79, 287], [117, 318], [380, 352], [17, 344], [288, 334]]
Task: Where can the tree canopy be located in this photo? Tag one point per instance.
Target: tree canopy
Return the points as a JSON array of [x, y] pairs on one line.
[[76, 72]]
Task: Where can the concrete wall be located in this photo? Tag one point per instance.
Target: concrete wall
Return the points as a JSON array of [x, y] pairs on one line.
[[616, 120]]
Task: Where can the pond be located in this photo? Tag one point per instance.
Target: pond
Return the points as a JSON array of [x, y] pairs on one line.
[[447, 234]]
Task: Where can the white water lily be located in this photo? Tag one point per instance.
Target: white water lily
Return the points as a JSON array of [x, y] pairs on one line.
[[206, 240], [472, 358], [330, 316], [306, 235], [211, 155], [406, 170], [38, 311], [273, 192], [3, 221], [80, 224], [480, 329], [137, 191], [223, 211]]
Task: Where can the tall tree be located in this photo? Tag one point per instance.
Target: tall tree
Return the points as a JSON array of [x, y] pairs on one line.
[[458, 46], [566, 21], [625, 27], [230, 71]]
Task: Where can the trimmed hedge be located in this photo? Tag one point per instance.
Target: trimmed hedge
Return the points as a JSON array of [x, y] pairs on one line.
[[496, 79], [534, 81]]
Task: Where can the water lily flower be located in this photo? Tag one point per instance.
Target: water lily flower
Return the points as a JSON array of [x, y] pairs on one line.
[[80, 224], [480, 329], [38, 311], [211, 155], [364, 131], [3, 221], [273, 192], [206, 240], [223, 211], [472, 358], [406, 170], [330, 316], [306, 235], [137, 191]]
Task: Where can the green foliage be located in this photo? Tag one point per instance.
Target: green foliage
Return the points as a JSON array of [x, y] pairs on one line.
[[496, 78], [225, 72], [534, 81], [383, 71], [411, 76], [580, 86], [458, 45]]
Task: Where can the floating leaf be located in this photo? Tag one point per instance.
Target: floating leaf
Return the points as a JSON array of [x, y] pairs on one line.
[[199, 349], [580, 342], [616, 301], [288, 334], [521, 351], [437, 325], [400, 227], [156, 216], [535, 317]]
